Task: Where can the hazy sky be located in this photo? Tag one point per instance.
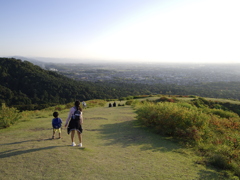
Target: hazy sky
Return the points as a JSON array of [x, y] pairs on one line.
[[126, 30]]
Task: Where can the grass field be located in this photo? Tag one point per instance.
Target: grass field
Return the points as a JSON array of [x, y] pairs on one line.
[[116, 148]]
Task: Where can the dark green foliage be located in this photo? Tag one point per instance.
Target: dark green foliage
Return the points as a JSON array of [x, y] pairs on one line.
[[200, 102], [227, 90], [203, 103], [129, 102], [27, 87], [165, 99]]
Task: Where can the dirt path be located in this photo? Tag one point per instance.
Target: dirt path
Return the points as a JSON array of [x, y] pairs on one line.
[[116, 147]]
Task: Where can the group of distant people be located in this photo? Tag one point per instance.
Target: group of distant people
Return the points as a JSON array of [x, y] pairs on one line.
[[73, 122], [112, 105]]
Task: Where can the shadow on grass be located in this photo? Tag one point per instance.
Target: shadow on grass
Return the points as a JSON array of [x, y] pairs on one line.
[[19, 142], [207, 175], [130, 133], [15, 152]]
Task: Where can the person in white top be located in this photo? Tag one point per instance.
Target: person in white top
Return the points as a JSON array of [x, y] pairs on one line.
[[74, 123], [84, 104]]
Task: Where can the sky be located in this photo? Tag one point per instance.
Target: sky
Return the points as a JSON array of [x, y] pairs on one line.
[[178, 31]]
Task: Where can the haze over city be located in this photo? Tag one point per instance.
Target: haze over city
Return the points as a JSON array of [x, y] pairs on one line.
[[182, 31]]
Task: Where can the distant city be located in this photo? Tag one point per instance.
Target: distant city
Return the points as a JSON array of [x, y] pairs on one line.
[[147, 73]]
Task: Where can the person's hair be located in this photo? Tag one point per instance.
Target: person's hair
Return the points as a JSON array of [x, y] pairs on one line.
[[77, 105], [55, 114]]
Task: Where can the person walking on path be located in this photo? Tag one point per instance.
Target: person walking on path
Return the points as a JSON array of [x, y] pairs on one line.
[[56, 124], [84, 104], [74, 123]]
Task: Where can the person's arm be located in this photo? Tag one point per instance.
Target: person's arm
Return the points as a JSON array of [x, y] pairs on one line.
[[69, 116], [81, 118]]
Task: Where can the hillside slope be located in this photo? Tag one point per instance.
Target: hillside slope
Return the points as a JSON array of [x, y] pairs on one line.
[[116, 147], [28, 86]]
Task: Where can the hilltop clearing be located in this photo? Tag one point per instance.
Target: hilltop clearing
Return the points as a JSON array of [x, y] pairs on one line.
[[116, 147]]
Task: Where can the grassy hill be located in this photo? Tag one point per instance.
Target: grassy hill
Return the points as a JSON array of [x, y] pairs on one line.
[[116, 147]]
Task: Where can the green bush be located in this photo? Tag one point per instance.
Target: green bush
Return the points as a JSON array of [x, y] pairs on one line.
[[129, 102], [214, 132], [8, 116], [175, 120], [96, 103], [187, 105]]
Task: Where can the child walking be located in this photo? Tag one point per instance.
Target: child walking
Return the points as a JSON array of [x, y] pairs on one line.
[[56, 124]]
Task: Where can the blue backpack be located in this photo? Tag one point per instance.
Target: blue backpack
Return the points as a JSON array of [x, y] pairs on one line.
[[56, 123]]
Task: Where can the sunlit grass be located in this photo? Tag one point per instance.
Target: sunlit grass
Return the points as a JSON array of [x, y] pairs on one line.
[[116, 147]]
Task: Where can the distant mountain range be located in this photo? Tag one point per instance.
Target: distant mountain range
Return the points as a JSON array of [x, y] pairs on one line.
[[34, 61], [43, 60]]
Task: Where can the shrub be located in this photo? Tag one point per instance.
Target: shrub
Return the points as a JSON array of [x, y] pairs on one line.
[[96, 103], [8, 116], [175, 120], [121, 98], [129, 102], [129, 97], [187, 105], [192, 96], [214, 132], [224, 114], [165, 99], [200, 102]]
